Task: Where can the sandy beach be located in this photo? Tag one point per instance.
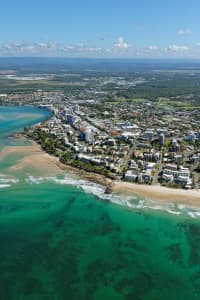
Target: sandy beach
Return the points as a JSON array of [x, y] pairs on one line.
[[158, 194], [46, 164], [32, 156]]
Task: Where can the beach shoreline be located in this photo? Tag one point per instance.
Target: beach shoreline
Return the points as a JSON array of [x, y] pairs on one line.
[[158, 194], [35, 155]]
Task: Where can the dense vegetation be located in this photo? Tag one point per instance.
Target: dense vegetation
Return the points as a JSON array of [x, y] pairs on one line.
[[55, 146]]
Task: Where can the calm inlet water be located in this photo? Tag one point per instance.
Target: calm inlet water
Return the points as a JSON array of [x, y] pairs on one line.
[[58, 242]]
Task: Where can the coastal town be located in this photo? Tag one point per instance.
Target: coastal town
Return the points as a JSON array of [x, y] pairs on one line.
[[118, 143], [140, 141], [100, 150]]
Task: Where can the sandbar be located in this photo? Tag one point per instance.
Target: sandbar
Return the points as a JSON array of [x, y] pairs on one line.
[[34, 155]]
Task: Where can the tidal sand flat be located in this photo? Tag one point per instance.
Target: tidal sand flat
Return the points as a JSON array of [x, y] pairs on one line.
[[59, 241], [31, 157]]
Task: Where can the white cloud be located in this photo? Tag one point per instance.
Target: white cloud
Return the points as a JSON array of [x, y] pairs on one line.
[[81, 49], [152, 47], [42, 45], [120, 44], [183, 31], [177, 48], [47, 46], [119, 49], [24, 49]]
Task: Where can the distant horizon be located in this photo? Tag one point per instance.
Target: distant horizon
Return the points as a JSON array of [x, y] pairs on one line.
[[63, 64], [103, 58], [130, 29]]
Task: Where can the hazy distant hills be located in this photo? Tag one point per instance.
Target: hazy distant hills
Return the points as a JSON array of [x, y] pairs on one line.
[[49, 65]]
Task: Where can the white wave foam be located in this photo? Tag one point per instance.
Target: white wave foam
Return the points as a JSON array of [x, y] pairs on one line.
[[4, 186], [34, 180], [87, 186], [181, 206], [193, 214], [7, 181], [173, 212], [99, 191]]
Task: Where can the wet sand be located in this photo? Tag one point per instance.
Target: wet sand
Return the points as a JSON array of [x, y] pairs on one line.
[[34, 156], [158, 194]]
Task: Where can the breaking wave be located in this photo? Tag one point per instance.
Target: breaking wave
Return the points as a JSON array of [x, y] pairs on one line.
[[7, 181], [132, 202]]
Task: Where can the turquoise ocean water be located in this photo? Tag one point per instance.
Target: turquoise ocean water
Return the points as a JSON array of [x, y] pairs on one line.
[[58, 241]]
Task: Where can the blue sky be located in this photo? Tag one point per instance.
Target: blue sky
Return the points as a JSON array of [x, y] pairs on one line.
[[100, 28]]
